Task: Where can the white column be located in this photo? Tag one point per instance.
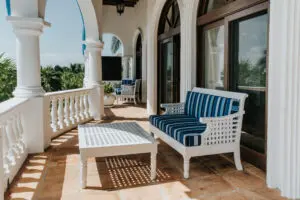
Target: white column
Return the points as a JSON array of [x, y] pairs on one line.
[[28, 31], [94, 51], [151, 73], [283, 156], [127, 66], [86, 70], [188, 52], [144, 72]]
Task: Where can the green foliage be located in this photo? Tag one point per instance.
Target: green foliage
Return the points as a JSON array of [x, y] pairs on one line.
[[71, 80], [108, 88], [8, 77], [252, 75], [51, 79], [62, 78], [115, 44]]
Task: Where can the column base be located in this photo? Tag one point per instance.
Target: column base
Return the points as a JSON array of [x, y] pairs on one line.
[[28, 92], [97, 102]]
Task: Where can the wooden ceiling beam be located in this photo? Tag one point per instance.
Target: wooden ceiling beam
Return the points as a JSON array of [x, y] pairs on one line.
[[128, 3]]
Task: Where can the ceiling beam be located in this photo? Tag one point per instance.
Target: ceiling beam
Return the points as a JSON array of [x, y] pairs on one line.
[[128, 3]]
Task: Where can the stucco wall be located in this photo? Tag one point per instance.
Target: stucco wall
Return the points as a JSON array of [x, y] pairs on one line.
[[124, 26]]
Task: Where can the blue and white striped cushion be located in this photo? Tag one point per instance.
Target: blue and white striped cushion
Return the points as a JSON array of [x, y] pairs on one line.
[[204, 105], [128, 82], [185, 129]]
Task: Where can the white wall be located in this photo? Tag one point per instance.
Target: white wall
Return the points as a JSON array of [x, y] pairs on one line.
[[124, 26]]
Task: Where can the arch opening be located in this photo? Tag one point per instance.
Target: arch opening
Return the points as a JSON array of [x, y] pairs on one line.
[[112, 54]]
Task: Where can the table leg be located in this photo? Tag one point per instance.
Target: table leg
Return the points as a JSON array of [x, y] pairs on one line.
[[153, 166], [83, 172]]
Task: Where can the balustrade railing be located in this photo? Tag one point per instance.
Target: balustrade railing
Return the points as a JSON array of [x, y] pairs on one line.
[[12, 139], [67, 109]]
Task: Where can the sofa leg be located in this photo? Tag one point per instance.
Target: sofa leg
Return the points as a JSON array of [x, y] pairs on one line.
[[237, 159], [186, 167]]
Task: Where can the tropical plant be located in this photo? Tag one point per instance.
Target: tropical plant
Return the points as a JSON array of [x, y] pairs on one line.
[[71, 80], [108, 88], [115, 44], [51, 79], [8, 77]]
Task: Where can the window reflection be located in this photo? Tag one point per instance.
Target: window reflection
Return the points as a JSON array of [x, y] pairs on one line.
[[214, 58]]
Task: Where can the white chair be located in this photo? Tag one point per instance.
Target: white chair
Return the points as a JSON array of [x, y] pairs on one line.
[[130, 92]]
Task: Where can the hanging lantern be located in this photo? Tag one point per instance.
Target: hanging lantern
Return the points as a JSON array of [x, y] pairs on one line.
[[120, 6]]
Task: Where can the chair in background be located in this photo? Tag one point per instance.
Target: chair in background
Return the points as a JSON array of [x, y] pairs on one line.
[[129, 92]]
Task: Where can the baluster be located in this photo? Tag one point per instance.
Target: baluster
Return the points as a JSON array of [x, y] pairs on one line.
[[13, 152], [5, 148], [72, 110], [17, 134], [86, 105], [67, 111], [54, 114], [20, 131], [81, 105], [77, 114], [61, 112]]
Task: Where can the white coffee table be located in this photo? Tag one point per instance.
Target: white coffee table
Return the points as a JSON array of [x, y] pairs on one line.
[[114, 139]]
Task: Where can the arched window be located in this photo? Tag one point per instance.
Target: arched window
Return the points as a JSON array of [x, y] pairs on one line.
[[170, 17], [210, 5]]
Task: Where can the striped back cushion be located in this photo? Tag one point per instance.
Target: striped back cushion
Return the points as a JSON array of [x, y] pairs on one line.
[[128, 82], [206, 105]]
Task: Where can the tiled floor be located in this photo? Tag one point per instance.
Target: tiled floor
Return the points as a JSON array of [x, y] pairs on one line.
[[55, 173]]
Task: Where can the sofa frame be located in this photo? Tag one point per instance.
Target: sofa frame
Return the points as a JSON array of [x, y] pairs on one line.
[[222, 134]]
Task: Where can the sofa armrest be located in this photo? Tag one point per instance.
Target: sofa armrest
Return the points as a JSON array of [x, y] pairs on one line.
[[173, 108], [222, 130]]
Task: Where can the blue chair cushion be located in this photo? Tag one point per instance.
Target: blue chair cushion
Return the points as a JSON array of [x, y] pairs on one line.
[[204, 105], [185, 129], [128, 82], [118, 90]]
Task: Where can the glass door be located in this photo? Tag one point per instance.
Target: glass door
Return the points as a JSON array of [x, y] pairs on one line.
[[248, 57], [169, 71]]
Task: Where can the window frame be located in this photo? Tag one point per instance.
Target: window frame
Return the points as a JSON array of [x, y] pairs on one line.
[[228, 14]]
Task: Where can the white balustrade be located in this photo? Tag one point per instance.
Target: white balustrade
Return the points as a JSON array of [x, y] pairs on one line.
[[12, 139], [68, 109]]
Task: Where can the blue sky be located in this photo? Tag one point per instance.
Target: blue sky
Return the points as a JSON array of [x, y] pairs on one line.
[[61, 43]]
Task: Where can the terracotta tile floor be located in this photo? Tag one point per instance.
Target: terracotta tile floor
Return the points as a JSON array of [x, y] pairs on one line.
[[55, 174]]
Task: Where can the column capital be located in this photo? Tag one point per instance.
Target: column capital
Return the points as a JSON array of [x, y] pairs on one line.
[[27, 26], [93, 45]]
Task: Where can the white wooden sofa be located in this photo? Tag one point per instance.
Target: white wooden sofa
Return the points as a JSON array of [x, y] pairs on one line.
[[209, 122]]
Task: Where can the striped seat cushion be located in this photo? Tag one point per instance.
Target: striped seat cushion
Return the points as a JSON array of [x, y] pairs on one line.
[[185, 129], [205, 105]]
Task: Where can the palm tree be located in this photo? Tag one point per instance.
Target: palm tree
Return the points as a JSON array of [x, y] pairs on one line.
[[115, 44]]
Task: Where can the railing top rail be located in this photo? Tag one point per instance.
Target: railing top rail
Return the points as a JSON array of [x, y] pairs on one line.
[[64, 92], [10, 106]]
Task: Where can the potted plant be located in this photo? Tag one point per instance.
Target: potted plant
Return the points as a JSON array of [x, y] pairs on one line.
[[109, 98]]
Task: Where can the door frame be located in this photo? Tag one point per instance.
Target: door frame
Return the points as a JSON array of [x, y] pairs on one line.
[[161, 62]]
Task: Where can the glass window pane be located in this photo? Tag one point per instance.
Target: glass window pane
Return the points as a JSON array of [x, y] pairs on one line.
[[215, 4], [249, 49], [214, 58]]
